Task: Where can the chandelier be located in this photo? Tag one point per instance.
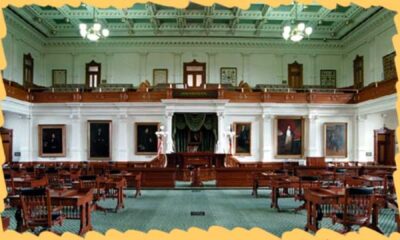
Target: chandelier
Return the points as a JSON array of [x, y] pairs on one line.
[[294, 32], [95, 31]]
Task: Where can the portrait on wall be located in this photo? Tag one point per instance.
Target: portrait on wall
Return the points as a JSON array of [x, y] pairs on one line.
[[242, 138], [52, 141], [99, 139], [160, 76], [335, 140], [229, 76], [59, 77], [146, 138], [289, 137], [195, 137]]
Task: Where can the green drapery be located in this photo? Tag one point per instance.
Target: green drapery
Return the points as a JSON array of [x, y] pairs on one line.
[[183, 124]]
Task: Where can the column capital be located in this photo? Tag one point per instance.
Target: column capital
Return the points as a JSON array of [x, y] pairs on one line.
[[361, 117], [221, 114], [266, 116], [312, 116], [169, 114]]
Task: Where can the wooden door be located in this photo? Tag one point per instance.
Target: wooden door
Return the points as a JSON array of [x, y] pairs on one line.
[[194, 74], [295, 75], [384, 146], [28, 70], [7, 139], [358, 71], [93, 74]]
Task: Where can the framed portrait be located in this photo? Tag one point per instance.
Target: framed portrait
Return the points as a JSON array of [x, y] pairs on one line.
[[195, 137], [160, 76], [335, 140], [59, 77], [229, 76], [52, 141], [242, 141], [289, 137], [389, 67], [99, 139], [146, 139], [328, 78]]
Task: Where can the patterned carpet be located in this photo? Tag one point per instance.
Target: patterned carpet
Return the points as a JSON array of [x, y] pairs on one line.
[[168, 209]]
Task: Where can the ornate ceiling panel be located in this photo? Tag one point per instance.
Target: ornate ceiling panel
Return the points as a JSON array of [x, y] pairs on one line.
[[148, 20]]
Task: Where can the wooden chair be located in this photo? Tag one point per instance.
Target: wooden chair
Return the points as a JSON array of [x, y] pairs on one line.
[[305, 182], [357, 208], [99, 193], [10, 186], [315, 162], [37, 210], [54, 179]]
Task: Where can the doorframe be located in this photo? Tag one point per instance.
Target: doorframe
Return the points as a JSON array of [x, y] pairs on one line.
[[194, 63], [385, 131]]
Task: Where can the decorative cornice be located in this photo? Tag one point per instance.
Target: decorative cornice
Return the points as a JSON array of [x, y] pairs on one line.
[[17, 26]]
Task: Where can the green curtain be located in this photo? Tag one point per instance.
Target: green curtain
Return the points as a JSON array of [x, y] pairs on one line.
[[183, 124], [194, 121]]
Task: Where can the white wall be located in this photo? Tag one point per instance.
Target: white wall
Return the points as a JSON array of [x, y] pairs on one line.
[[362, 119]]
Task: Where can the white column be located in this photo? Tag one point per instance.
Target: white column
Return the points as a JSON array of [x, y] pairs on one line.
[[26, 146], [265, 137], [177, 73], [221, 143], [360, 147], [168, 124], [122, 138], [143, 66], [312, 149], [32, 138], [77, 143]]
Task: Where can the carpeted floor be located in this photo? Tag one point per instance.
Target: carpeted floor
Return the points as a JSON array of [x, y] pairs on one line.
[[168, 209]]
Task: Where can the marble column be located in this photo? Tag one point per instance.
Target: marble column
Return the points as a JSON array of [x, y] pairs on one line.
[[26, 141], [221, 143], [170, 142], [122, 139], [359, 137], [265, 137], [77, 144], [312, 145]]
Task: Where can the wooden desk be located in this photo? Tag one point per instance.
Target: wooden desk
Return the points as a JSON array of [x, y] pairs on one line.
[[288, 184], [117, 184], [133, 179], [320, 202], [76, 205], [21, 182]]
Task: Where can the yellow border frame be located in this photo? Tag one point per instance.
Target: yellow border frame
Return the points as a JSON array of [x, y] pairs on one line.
[[214, 232]]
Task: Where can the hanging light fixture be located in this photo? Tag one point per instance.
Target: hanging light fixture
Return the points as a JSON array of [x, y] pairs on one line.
[[94, 32], [294, 32]]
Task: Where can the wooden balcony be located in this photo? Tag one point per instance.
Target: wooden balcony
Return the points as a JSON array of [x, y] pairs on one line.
[[213, 91]]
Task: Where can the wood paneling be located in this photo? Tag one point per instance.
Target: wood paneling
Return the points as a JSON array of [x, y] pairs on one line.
[[343, 96]]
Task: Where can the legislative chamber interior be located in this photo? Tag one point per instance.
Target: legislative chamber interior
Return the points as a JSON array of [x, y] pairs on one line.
[[155, 117]]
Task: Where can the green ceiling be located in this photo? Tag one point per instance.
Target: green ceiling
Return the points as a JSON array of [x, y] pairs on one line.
[[147, 19]]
